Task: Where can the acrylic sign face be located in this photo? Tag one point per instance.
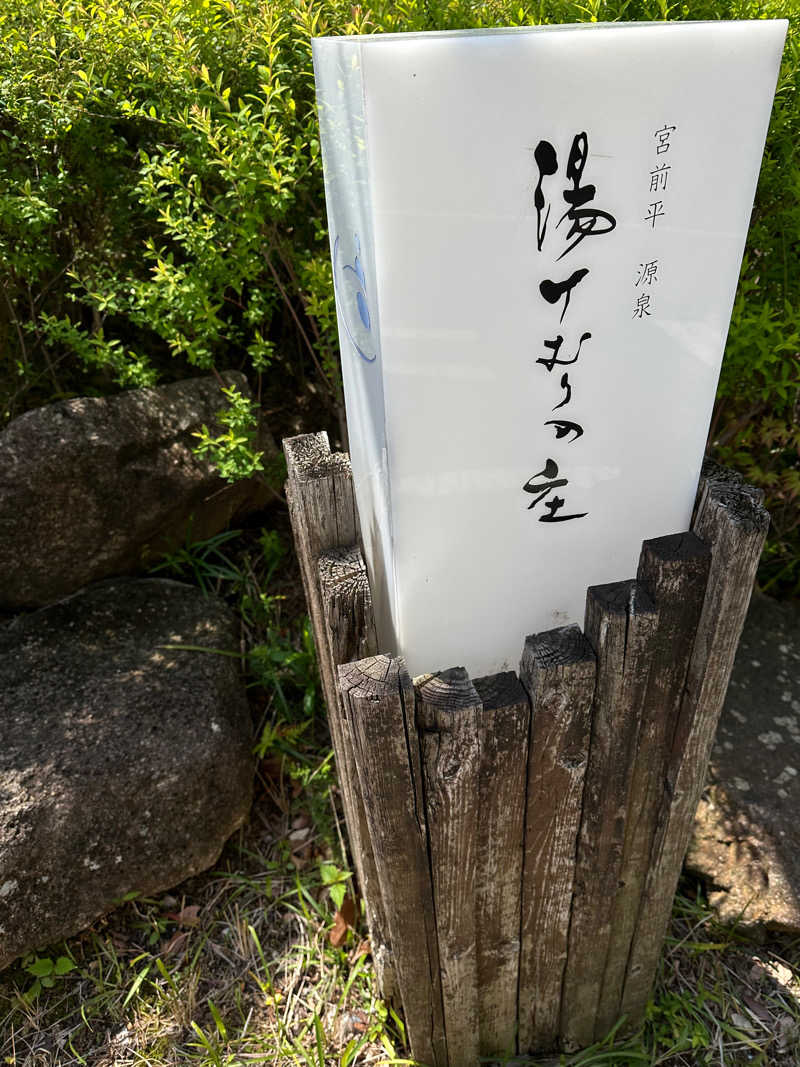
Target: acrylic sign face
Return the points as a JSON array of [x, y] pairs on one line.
[[536, 237]]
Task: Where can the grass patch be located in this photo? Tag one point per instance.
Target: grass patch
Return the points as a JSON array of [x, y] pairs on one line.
[[236, 966], [265, 958]]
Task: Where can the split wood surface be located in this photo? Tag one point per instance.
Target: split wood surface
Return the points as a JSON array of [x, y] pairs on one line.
[[518, 840]]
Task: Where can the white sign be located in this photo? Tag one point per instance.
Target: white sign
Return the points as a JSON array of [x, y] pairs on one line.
[[536, 238]]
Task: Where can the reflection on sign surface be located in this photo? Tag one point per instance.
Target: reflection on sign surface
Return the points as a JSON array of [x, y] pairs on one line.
[[351, 292]]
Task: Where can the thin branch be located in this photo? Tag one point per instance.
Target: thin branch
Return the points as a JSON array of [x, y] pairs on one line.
[[738, 424], [299, 324], [50, 367], [15, 320]]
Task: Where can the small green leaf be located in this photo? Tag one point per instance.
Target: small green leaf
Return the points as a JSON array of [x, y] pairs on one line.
[[220, 1025], [134, 989], [34, 991], [337, 894], [40, 967], [330, 873]]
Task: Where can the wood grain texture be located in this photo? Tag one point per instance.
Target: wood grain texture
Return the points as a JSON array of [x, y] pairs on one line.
[[349, 615], [503, 725], [448, 708], [319, 492], [732, 520], [620, 622], [313, 603], [305, 455], [716, 478], [326, 479], [558, 673], [674, 571], [488, 838], [379, 702], [349, 633]]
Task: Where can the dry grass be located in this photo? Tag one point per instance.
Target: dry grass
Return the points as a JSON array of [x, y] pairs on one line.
[[236, 966]]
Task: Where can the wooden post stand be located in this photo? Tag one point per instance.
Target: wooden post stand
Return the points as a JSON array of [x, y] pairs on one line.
[[518, 841]]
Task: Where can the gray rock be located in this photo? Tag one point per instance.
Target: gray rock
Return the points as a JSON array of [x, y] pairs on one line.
[[746, 839], [124, 764], [90, 486]]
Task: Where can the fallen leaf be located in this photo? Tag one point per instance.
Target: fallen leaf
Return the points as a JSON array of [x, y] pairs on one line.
[[348, 910], [757, 1008], [345, 917], [741, 1023], [188, 916], [338, 931]]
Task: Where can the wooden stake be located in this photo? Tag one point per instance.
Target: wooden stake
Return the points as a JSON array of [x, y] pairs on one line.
[[322, 509], [674, 570], [503, 725], [349, 630], [379, 702], [558, 672], [319, 492], [327, 481], [620, 621], [349, 617], [448, 708], [733, 521], [715, 478]]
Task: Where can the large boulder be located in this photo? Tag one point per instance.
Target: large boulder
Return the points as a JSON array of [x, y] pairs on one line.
[[91, 486], [125, 762], [746, 841]]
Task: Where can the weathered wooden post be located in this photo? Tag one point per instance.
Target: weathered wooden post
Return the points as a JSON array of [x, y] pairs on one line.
[[518, 840]]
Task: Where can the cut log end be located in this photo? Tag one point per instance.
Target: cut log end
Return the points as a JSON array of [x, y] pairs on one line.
[[676, 548], [309, 456], [344, 568], [448, 690], [746, 513], [373, 677], [565, 646], [718, 477], [499, 690], [613, 598]]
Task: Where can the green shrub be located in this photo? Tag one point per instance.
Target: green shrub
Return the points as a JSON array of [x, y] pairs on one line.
[[161, 191], [161, 208]]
